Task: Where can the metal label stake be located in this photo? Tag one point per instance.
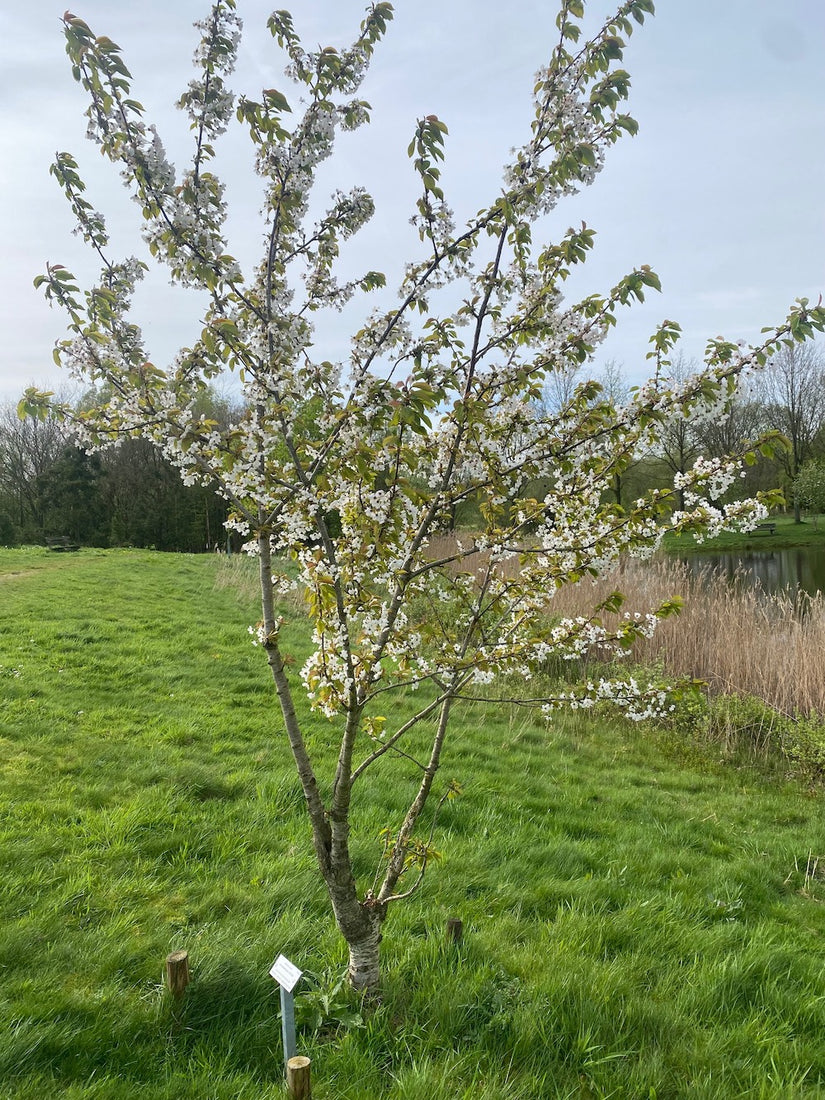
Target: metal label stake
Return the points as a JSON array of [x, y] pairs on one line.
[[287, 975]]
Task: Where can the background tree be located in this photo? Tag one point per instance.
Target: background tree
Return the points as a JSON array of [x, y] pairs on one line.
[[9, 535], [147, 504], [741, 422], [70, 501], [27, 449], [809, 487], [678, 444], [128, 496], [616, 390], [559, 389], [792, 392], [428, 406]]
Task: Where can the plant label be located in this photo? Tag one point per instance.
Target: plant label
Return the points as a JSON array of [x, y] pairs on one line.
[[285, 973]]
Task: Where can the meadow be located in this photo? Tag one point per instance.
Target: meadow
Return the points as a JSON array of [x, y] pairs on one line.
[[641, 920], [785, 535]]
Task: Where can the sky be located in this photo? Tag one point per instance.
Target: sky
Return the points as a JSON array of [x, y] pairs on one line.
[[721, 192]]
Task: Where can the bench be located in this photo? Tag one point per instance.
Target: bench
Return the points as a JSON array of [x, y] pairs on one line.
[[61, 544], [769, 527]]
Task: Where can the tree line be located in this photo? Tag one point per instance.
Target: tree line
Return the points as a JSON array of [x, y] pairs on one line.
[[786, 398], [127, 495], [130, 495]]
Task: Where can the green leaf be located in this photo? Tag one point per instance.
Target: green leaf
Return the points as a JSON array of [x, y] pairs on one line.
[[274, 98]]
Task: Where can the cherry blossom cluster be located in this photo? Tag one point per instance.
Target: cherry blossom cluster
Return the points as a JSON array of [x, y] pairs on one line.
[[638, 702], [341, 474]]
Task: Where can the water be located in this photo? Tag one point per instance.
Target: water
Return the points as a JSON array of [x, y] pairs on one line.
[[774, 570]]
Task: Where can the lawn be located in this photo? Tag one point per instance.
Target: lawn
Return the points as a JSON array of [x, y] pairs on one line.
[[640, 922], [786, 535]]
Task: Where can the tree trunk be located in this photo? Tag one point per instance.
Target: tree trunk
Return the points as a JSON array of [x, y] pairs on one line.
[[359, 922], [364, 972]]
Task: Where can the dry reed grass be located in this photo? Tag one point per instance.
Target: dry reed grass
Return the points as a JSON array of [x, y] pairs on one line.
[[734, 636], [239, 572], [447, 545]]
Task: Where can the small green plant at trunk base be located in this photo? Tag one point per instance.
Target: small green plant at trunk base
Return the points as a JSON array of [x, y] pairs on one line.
[[325, 1003]]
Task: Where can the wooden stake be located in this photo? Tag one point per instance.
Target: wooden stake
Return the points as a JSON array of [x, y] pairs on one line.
[[297, 1078], [455, 929], [177, 972]]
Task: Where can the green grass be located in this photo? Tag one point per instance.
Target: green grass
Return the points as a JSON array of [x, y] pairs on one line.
[[640, 922], [787, 535]]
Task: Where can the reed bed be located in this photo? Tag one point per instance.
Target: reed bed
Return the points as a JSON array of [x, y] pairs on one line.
[[447, 545], [734, 636]]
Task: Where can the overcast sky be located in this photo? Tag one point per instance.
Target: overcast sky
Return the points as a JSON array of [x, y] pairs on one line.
[[721, 192]]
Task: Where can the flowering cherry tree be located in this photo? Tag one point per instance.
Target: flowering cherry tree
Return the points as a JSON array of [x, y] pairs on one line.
[[340, 473]]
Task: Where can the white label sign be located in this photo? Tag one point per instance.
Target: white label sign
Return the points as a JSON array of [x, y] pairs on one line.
[[285, 973]]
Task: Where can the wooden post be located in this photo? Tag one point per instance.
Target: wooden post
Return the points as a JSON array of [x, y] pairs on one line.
[[297, 1078], [455, 928], [177, 972]]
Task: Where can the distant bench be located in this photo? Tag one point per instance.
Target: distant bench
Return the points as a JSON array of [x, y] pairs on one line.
[[769, 527], [61, 544]]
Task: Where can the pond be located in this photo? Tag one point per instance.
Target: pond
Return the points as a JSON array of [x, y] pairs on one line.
[[774, 570]]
